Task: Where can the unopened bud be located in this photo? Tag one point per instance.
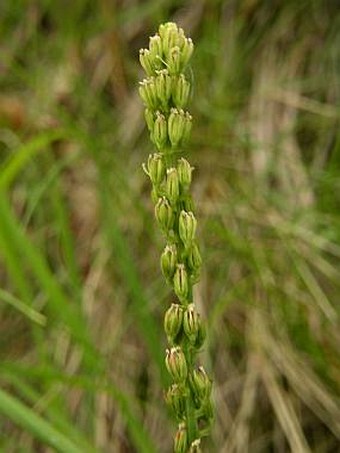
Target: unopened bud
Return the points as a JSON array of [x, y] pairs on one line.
[[191, 323], [172, 185], [208, 410], [176, 126], [194, 262], [169, 261], [146, 61], [201, 335], [156, 168], [181, 439], [175, 398], [164, 214], [188, 204], [160, 133], [176, 364], [173, 321], [169, 36], [181, 92], [187, 228], [184, 173], [147, 91], [174, 61], [195, 446], [186, 51], [200, 383], [156, 51], [163, 86], [181, 284], [149, 118], [187, 128], [181, 38]]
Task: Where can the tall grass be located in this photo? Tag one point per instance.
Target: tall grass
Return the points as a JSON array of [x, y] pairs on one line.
[[82, 298]]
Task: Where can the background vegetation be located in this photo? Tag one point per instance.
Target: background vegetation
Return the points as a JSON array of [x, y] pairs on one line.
[[82, 296]]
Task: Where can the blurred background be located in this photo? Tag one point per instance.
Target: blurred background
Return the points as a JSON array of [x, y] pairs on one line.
[[82, 296]]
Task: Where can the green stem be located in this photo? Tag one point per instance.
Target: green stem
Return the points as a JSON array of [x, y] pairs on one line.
[[191, 420], [190, 409], [169, 156]]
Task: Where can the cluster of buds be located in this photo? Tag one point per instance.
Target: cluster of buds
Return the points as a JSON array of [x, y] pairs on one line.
[[184, 323], [173, 182], [165, 93], [169, 48], [166, 90]]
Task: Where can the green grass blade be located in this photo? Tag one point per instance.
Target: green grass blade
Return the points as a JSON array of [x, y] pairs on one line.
[[19, 305], [139, 436], [61, 421], [61, 306], [124, 262], [66, 238], [25, 417], [22, 155], [13, 266]]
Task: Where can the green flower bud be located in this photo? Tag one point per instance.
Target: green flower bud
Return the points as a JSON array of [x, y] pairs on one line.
[[147, 91], [156, 168], [146, 61], [191, 323], [181, 439], [195, 446], [201, 335], [163, 86], [173, 322], [208, 409], [156, 51], [201, 384], [184, 173], [169, 34], [143, 92], [187, 228], [169, 261], [149, 118], [176, 364], [188, 204], [186, 128], [172, 185], [175, 398], [181, 39], [181, 284], [164, 214], [194, 261], [160, 133], [176, 126], [181, 92], [186, 52], [174, 61]]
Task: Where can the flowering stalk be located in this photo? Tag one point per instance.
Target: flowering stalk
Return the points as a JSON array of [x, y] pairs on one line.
[[165, 93]]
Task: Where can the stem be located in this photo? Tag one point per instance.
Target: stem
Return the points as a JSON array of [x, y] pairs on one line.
[[191, 420], [169, 156], [190, 408]]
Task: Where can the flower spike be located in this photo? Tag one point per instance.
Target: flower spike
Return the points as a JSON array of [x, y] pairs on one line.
[[165, 93]]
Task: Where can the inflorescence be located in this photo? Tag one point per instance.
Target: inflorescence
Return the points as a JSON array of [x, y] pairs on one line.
[[165, 93]]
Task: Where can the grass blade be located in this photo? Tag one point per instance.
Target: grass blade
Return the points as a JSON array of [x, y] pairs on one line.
[[25, 417], [22, 155], [32, 314]]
